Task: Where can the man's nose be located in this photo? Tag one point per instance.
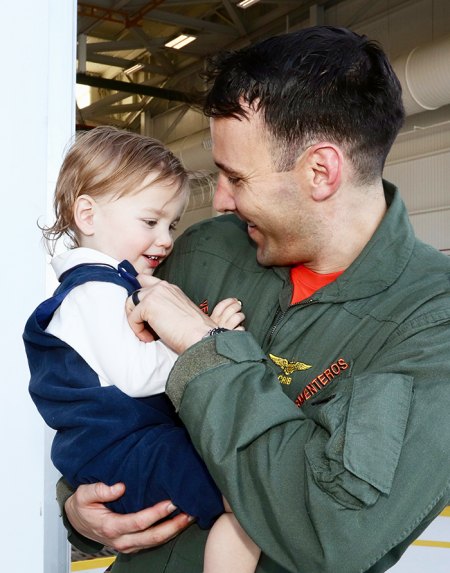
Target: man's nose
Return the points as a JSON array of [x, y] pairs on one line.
[[223, 197]]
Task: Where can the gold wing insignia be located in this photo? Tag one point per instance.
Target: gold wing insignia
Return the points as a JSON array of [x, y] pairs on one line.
[[288, 367]]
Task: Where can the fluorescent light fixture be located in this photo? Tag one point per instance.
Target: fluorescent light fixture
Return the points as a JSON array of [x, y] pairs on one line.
[[246, 3], [133, 69], [180, 41]]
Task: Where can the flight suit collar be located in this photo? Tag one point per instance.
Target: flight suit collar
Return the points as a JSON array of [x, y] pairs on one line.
[[377, 267]]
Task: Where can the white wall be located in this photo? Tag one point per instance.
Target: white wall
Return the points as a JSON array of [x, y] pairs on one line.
[[424, 185], [419, 164], [37, 91]]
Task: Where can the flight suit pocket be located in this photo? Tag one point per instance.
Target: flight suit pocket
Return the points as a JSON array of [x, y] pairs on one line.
[[354, 452]]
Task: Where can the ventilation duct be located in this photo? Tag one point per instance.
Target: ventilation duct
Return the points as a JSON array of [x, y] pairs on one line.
[[425, 76]]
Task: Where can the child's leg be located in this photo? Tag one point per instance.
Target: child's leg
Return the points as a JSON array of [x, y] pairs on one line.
[[229, 548]]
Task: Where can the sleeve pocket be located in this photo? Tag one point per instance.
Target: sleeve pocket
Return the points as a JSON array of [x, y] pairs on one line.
[[355, 460]]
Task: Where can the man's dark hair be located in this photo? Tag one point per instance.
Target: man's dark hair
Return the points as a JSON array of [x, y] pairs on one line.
[[321, 83]]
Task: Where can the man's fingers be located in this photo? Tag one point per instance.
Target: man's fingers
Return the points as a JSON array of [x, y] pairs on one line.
[[139, 326], [99, 492], [123, 532], [147, 280], [153, 536], [151, 515], [170, 314]]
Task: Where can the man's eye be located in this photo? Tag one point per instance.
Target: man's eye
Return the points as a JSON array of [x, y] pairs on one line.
[[234, 180]]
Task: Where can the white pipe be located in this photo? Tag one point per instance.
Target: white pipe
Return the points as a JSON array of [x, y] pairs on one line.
[[425, 76]]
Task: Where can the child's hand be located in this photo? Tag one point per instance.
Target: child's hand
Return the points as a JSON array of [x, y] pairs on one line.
[[228, 314]]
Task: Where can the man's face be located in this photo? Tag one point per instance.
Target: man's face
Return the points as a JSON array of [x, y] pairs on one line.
[[273, 204]]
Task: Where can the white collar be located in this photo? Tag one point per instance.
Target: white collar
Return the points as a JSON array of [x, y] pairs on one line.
[[81, 255]]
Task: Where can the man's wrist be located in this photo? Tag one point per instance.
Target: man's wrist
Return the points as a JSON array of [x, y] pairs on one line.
[[63, 492], [196, 358], [204, 332], [215, 330]]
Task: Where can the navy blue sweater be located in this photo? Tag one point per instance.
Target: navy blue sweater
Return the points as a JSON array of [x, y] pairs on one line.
[[105, 435]]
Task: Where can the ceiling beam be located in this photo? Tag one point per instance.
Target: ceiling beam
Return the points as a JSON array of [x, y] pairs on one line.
[[122, 45], [159, 55], [235, 17], [192, 23], [124, 64], [115, 15], [141, 89]]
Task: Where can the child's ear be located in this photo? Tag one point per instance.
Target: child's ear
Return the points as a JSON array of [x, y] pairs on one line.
[[84, 214]]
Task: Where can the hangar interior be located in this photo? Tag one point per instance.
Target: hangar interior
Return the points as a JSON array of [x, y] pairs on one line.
[[131, 73]]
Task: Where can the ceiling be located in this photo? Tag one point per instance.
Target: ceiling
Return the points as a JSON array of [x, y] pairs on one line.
[[161, 98], [115, 35]]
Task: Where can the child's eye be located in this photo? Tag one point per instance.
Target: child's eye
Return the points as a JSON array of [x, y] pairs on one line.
[[151, 222], [173, 226]]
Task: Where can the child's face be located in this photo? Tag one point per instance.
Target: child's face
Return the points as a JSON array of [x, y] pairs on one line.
[[139, 227]]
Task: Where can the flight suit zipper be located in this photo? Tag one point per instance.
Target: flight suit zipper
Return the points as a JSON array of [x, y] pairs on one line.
[[279, 315]]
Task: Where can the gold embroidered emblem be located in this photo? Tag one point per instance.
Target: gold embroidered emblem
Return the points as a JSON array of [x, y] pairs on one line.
[[287, 367]]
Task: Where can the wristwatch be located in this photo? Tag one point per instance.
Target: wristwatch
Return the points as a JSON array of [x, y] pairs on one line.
[[216, 330]]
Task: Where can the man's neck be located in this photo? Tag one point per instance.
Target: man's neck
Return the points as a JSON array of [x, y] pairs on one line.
[[351, 224]]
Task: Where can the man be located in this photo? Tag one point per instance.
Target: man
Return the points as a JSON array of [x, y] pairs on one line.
[[325, 424]]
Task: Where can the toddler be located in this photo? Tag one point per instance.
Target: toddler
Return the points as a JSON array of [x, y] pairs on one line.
[[119, 197]]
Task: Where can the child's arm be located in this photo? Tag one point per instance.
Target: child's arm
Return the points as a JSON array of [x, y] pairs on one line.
[[92, 320]]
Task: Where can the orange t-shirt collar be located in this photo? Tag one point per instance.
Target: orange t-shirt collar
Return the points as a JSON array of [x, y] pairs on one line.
[[306, 282]]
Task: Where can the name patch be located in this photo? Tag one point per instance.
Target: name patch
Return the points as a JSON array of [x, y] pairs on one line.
[[321, 381]]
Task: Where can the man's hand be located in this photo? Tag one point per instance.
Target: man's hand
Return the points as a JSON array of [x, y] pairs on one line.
[[127, 533], [170, 313]]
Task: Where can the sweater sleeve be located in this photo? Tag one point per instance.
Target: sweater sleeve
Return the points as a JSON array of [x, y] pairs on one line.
[[92, 320]]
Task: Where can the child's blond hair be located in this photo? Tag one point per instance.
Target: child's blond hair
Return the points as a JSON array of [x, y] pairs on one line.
[[108, 161]]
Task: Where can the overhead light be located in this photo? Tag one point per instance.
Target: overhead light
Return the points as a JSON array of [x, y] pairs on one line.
[[133, 69], [180, 41], [246, 3]]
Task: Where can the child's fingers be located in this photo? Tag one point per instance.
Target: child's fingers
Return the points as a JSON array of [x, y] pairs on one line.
[[225, 309], [223, 305], [233, 322], [228, 313]]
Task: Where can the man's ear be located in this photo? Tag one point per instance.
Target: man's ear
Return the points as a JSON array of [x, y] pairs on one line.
[[84, 214], [324, 163]]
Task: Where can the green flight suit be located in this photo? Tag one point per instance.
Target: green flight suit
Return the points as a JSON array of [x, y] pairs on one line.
[[326, 425]]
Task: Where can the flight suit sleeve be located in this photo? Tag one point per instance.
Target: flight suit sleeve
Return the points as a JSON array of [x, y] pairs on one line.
[[341, 486]]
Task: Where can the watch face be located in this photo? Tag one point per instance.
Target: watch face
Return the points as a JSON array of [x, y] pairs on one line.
[[217, 330]]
